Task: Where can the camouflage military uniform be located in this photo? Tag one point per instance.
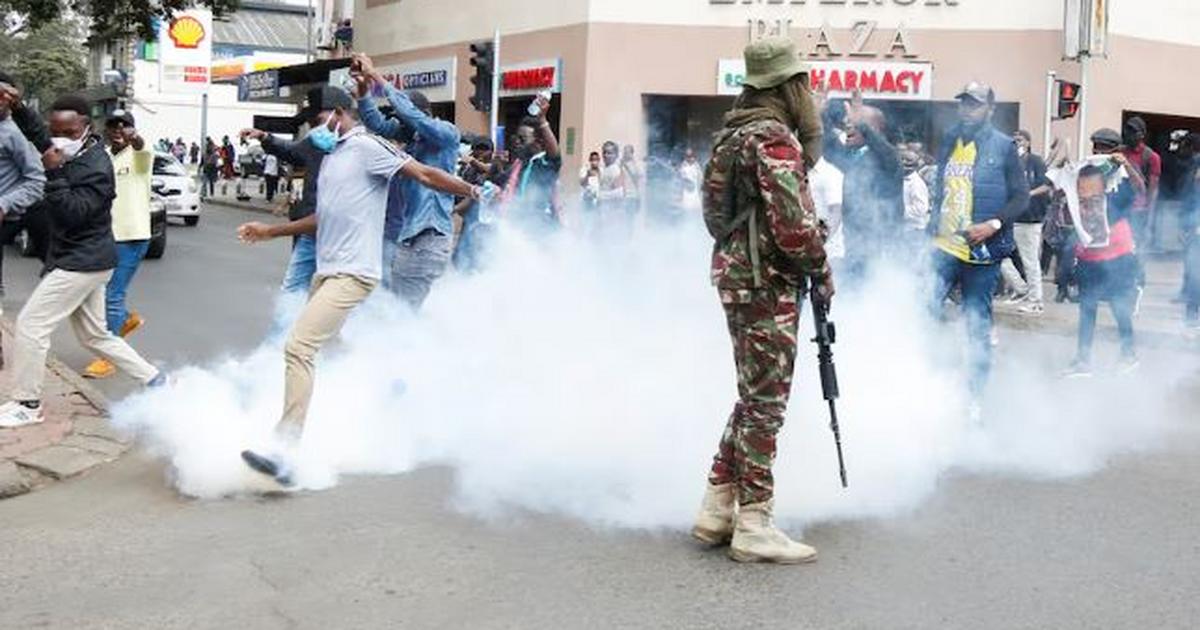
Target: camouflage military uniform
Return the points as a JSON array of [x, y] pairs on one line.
[[759, 290]]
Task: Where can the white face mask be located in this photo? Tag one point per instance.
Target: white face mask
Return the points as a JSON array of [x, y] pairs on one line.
[[69, 146]]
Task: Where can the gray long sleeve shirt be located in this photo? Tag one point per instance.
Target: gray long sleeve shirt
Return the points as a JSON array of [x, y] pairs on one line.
[[21, 177], [299, 152]]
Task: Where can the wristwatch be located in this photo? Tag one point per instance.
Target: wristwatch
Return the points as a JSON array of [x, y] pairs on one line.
[[996, 224]]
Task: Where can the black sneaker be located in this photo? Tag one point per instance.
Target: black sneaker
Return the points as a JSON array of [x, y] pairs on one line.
[[271, 467]]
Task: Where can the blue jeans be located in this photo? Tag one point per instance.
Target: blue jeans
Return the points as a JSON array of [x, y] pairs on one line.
[[302, 265], [1191, 278], [1064, 272], [467, 256], [129, 256], [415, 264], [1116, 282], [978, 283]]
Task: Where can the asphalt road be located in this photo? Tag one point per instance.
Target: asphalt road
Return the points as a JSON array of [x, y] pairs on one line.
[[208, 296], [119, 549]]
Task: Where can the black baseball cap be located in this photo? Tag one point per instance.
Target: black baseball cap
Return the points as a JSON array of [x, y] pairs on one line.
[[120, 116], [979, 92], [325, 98], [1106, 137], [7, 78]]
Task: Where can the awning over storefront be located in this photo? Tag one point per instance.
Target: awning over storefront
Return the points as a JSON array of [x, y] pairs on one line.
[[287, 84]]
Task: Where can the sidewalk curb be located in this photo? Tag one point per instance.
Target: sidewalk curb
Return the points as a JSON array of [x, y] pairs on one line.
[[1053, 326], [87, 442], [81, 385], [238, 205]]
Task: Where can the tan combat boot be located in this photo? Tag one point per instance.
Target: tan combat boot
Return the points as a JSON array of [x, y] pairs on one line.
[[756, 539], [714, 523]]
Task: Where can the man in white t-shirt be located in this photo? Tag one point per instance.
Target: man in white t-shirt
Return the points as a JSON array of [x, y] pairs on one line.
[[825, 185], [690, 174], [133, 169], [352, 196], [271, 175]]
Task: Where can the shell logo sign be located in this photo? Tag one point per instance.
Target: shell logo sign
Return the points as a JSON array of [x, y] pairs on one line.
[[185, 52], [186, 32]]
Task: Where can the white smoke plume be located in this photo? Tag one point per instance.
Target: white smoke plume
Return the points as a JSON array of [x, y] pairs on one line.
[[595, 382]]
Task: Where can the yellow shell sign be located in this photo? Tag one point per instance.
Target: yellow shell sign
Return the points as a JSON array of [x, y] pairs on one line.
[[186, 32]]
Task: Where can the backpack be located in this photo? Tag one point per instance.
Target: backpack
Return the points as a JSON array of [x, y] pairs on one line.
[[725, 218]]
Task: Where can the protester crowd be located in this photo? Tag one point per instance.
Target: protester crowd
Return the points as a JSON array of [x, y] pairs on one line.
[[882, 199], [799, 190], [393, 198]]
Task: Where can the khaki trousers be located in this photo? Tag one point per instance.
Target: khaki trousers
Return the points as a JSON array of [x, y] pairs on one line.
[[329, 304], [78, 296]]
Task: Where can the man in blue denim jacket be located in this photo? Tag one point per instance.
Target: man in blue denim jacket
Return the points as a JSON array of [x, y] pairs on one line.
[[980, 190], [418, 233]]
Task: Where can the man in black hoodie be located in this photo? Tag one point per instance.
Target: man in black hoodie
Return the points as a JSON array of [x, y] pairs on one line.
[[79, 261]]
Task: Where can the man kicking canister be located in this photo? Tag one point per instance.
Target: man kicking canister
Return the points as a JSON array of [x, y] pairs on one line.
[[349, 220]]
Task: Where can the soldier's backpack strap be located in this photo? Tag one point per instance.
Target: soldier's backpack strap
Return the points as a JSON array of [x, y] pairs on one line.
[[754, 259], [739, 217]]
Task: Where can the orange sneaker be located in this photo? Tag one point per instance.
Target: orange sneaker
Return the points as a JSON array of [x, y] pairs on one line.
[[132, 323], [100, 368]]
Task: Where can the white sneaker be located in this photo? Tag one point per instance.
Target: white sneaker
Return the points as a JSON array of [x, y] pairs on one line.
[[1127, 364], [975, 414], [1033, 309], [1077, 369], [1014, 298], [13, 414]]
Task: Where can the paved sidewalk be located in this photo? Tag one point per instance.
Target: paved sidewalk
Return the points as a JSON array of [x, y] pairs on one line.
[[1159, 322], [74, 438]]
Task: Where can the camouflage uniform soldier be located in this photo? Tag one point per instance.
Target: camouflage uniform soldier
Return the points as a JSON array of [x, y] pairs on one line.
[[768, 244]]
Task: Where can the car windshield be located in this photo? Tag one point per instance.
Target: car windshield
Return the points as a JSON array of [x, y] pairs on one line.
[[164, 165]]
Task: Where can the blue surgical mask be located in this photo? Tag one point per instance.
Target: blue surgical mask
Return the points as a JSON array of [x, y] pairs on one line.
[[322, 138]]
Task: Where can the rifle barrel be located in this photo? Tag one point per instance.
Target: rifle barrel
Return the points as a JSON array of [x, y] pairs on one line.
[[837, 440]]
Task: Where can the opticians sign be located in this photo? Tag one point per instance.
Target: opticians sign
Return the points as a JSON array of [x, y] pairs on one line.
[[433, 77], [876, 80], [531, 77]]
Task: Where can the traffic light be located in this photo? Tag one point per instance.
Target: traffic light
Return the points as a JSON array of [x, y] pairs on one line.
[[483, 58], [1068, 100]]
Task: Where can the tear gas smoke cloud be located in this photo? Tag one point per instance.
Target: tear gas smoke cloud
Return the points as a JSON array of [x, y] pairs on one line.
[[594, 382]]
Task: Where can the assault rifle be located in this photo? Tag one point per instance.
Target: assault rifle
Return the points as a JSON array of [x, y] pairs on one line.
[[825, 338]]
